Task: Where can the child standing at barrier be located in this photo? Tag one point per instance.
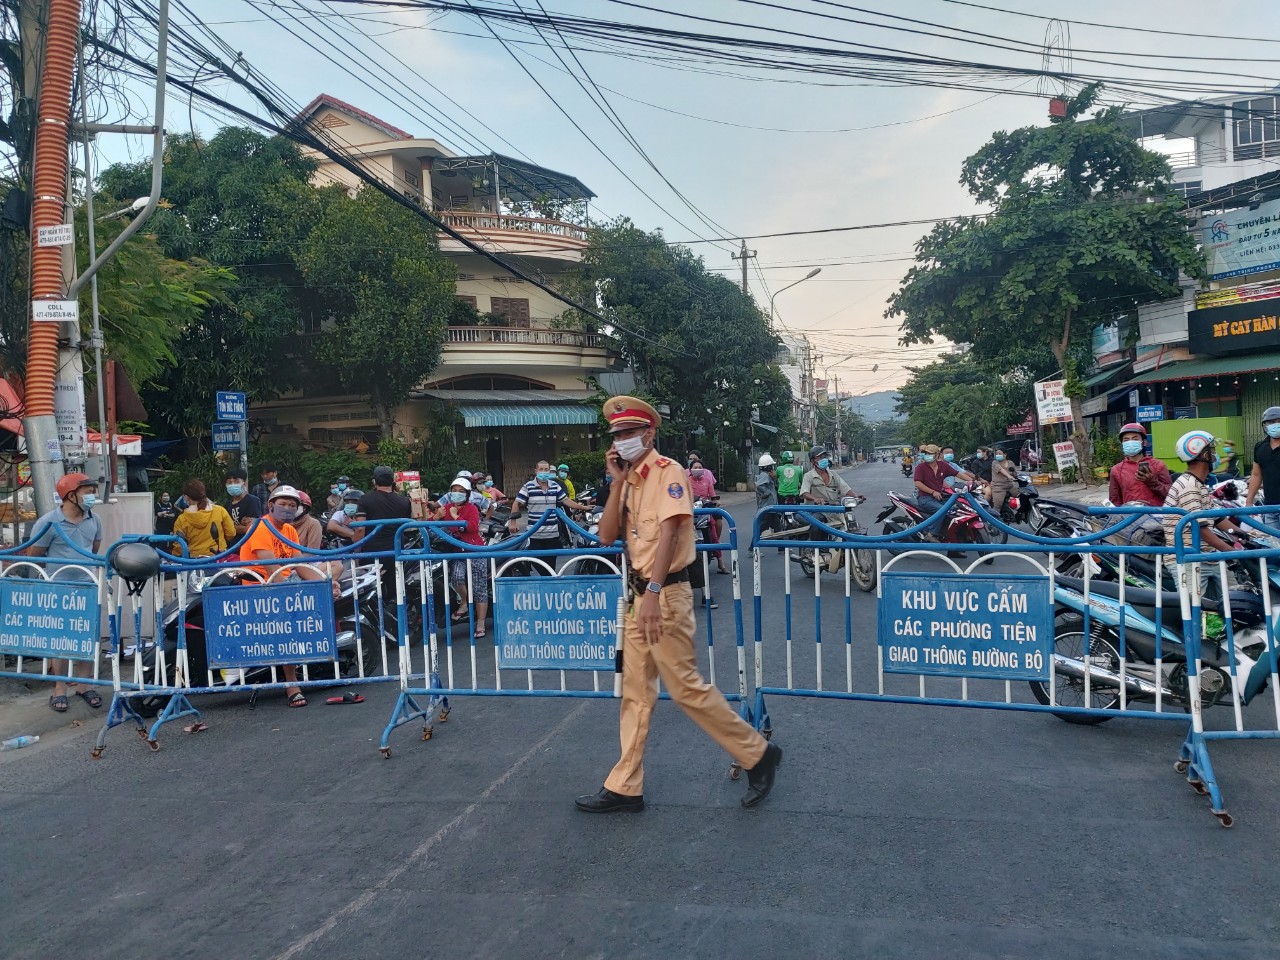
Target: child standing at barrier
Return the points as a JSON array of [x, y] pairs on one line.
[[266, 543], [652, 511], [75, 521]]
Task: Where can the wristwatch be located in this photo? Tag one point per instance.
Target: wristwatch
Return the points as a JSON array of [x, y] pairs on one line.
[[653, 587]]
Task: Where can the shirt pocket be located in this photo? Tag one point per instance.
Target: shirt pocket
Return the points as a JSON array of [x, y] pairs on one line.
[[648, 528]]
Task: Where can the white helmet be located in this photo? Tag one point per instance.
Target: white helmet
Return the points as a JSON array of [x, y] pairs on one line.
[[461, 481], [766, 460], [1191, 445], [284, 490]]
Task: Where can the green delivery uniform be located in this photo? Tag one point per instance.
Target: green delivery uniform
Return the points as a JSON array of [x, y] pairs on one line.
[[789, 477]]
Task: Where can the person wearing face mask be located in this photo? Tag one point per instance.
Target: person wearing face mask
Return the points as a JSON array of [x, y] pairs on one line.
[[166, 514], [65, 533], [1265, 475], [338, 529], [981, 466], [702, 486], [457, 505], [1138, 478], [821, 484], [1190, 493], [562, 477], [1004, 478], [270, 480], [243, 506], [310, 532], [651, 510], [206, 526], [273, 539], [333, 503], [1229, 468], [930, 477], [540, 497]]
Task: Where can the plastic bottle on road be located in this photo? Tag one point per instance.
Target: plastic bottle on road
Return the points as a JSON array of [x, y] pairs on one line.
[[17, 743]]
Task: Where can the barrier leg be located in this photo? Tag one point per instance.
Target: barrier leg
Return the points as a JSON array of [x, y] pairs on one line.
[[761, 720], [405, 711], [121, 711], [1193, 759], [179, 706]]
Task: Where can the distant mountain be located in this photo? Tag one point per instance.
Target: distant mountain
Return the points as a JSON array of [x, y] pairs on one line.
[[875, 406]]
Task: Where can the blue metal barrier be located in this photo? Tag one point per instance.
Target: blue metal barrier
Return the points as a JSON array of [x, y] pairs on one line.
[[1113, 649]]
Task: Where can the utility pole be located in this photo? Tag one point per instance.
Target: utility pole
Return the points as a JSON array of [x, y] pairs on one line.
[[839, 437], [744, 255]]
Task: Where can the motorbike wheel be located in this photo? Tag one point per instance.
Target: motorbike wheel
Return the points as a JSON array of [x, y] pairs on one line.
[[1069, 641], [863, 569], [892, 529], [806, 563]]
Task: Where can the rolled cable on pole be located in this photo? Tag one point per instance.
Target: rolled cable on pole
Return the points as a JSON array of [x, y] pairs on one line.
[[104, 440], [48, 204]]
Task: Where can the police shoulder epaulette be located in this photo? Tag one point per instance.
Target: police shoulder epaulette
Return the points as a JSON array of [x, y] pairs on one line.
[[663, 462], [644, 471]]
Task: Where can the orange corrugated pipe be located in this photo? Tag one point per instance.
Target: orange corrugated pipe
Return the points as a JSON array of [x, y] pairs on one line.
[[48, 196]]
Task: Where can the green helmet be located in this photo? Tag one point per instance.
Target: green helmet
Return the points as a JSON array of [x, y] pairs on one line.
[[787, 456]]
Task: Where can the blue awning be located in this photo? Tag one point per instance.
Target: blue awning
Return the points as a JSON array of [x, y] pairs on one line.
[[527, 414]]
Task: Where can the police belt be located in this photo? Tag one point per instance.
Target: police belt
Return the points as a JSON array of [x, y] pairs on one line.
[[639, 584]]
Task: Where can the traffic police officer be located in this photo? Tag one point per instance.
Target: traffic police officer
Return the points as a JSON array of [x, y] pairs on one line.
[[650, 508]]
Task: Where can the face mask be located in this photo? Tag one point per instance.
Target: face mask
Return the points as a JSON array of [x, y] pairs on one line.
[[824, 463], [457, 496], [926, 458], [272, 482], [1131, 448], [488, 483], [88, 501], [981, 455], [563, 474], [1273, 431], [342, 488], [631, 449], [999, 458], [697, 471], [1217, 461], [1228, 451], [235, 489], [165, 501], [350, 509], [546, 475], [297, 514], [948, 457], [283, 514]]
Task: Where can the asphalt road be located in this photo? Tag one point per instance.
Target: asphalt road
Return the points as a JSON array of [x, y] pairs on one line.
[[894, 831]]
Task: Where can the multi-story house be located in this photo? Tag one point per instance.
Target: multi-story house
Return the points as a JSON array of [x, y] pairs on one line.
[[517, 381], [1215, 353]]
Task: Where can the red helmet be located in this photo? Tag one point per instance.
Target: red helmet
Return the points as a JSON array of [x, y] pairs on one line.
[[304, 499], [1133, 428], [71, 482]]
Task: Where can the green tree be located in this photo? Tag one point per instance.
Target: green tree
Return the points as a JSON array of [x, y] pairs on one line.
[[389, 295], [1083, 229]]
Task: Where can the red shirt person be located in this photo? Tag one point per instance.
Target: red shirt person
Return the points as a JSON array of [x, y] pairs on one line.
[[1138, 478]]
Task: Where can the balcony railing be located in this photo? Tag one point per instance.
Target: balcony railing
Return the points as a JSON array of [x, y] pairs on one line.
[[527, 336], [483, 222]]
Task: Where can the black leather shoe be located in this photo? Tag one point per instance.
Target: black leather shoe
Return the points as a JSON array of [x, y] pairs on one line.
[[606, 801], [760, 777]]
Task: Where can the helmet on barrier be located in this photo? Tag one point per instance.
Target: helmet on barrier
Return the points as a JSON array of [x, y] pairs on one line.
[[766, 460], [72, 482], [282, 491], [1270, 414], [1191, 445], [1134, 428], [135, 563], [787, 456]]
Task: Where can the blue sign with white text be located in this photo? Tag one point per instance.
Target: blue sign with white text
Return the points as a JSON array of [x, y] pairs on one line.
[[232, 406], [952, 625], [226, 436], [40, 618], [263, 624], [1149, 414], [556, 623]]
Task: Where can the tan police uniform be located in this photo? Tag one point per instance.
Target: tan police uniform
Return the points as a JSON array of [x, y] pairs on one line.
[[656, 488]]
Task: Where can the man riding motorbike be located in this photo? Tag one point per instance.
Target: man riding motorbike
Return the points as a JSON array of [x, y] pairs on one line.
[[822, 485], [931, 476]]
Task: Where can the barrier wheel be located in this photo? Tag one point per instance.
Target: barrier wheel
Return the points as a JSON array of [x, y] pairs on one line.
[[443, 716], [1180, 766], [1225, 819], [154, 745], [96, 753], [767, 733], [735, 771], [426, 733], [142, 733], [385, 751], [1199, 787]]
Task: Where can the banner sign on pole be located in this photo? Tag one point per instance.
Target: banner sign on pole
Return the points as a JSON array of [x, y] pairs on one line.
[[55, 311], [49, 618], [226, 436], [1026, 426], [952, 625], [556, 623], [1052, 403], [1243, 241], [232, 406], [259, 625], [68, 412], [58, 235], [1065, 454]]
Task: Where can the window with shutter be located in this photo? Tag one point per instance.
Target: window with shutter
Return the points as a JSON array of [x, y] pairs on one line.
[[512, 309]]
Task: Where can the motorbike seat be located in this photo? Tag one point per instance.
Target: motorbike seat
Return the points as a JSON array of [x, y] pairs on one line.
[[1144, 598]]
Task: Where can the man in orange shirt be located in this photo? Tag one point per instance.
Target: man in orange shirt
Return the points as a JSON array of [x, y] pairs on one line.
[[267, 541]]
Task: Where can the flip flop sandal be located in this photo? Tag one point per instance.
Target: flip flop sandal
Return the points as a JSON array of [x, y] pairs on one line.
[[58, 704], [297, 700], [479, 634], [347, 697], [90, 697], [198, 727]]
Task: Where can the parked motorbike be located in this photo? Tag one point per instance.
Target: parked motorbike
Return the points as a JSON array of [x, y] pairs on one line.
[[862, 560], [1142, 675]]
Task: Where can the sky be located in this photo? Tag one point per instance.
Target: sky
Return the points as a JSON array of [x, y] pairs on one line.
[[770, 153]]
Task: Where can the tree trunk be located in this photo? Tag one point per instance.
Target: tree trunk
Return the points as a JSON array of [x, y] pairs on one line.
[[386, 425]]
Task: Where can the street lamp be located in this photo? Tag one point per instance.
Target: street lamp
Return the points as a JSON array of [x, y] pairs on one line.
[[808, 276]]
